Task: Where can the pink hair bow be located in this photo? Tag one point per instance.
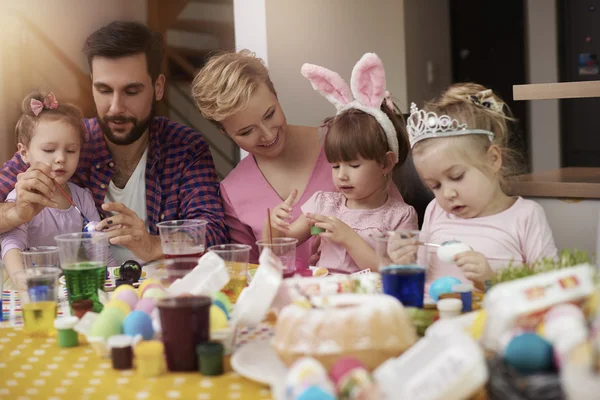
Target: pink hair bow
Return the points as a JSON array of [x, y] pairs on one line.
[[49, 103]]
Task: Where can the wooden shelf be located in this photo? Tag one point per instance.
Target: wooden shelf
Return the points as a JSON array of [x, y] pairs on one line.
[[561, 183]]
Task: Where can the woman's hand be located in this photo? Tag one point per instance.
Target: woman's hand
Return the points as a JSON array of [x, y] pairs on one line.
[[474, 266], [281, 215]]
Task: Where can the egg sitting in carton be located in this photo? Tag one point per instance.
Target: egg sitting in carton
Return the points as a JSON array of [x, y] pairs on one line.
[[535, 322]]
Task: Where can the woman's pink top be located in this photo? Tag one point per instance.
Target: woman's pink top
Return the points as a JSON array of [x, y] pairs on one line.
[[247, 195]]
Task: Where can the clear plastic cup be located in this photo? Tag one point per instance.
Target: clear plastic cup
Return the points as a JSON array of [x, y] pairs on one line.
[[83, 258], [402, 266], [38, 299], [236, 258], [41, 256], [183, 238], [285, 249]]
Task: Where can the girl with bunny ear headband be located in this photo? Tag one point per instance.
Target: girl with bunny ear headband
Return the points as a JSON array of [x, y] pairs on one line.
[[366, 139]]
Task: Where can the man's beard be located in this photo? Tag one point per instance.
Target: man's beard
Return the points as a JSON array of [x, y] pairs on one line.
[[136, 132]]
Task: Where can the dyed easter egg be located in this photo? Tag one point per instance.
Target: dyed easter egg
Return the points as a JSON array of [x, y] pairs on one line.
[[222, 297], [123, 288], [442, 285], [146, 305], [448, 250], [529, 353], [222, 306], [138, 323], [148, 282], [154, 293], [108, 323], [120, 304], [307, 372], [128, 296], [218, 318]]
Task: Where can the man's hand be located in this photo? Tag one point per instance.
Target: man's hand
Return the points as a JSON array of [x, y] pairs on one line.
[[125, 228], [35, 191]]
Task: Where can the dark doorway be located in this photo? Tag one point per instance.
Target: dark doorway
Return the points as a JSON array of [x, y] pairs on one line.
[[579, 53], [488, 47]]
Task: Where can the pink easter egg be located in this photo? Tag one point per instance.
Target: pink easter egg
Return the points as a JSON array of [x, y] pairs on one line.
[[146, 305], [128, 296]]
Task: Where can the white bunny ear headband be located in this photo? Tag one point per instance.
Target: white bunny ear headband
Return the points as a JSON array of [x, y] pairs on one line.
[[367, 94]]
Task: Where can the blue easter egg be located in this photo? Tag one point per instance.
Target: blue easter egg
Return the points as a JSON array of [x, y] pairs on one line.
[[222, 306], [529, 353], [315, 393], [441, 286], [138, 323]]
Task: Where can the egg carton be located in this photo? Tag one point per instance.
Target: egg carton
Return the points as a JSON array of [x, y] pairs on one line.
[[505, 383]]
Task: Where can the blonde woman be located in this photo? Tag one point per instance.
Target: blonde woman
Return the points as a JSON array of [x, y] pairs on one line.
[[235, 93]]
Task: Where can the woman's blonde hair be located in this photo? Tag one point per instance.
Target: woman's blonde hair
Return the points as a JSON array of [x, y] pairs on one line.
[[29, 120], [226, 83], [460, 102]]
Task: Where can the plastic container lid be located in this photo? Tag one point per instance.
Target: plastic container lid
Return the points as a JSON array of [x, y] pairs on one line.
[[462, 288], [120, 341], [449, 305], [65, 322], [209, 348]]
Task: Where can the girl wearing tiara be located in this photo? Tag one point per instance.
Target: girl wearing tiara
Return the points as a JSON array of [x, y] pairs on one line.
[[52, 133], [366, 139], [460, 149]]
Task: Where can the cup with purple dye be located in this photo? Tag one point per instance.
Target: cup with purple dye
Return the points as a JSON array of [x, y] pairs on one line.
[[285, 249]]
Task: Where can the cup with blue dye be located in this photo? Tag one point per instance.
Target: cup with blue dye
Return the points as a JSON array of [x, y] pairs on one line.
[[402, 266]]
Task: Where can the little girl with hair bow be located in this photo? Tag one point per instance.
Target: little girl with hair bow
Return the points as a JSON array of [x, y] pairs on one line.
[[460, 149], [52, 133], [366, 139]]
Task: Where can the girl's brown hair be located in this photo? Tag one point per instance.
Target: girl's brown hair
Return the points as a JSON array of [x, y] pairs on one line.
[[356, 133], [459, 102], [29, 121]]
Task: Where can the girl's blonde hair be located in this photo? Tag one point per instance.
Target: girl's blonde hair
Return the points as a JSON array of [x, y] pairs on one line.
[[226, 83], [459, 101], [356, 133], [29, 121]]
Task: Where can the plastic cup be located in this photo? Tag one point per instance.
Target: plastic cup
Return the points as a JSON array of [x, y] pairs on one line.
[[40, 256], [236, 258], [466, 295], [83, 258], [38, 299], [166, 271], [183, 238], [1, 287], [402, 272], [185, 323], [285, 249]]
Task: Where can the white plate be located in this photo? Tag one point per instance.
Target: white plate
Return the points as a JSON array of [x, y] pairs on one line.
[[259, 362]]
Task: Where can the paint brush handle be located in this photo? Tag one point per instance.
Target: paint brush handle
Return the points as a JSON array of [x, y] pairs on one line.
[[85, 220]]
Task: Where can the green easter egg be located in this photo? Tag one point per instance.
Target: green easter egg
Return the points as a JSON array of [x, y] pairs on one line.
[[222, 297]]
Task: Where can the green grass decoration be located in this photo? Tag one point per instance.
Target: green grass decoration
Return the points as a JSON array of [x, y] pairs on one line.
[[566, 258]]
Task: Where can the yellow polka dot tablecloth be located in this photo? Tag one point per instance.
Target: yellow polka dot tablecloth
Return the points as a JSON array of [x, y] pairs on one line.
[[37, 368]]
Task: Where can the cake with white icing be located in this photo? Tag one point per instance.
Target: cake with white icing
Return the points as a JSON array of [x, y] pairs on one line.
[[371, 328]]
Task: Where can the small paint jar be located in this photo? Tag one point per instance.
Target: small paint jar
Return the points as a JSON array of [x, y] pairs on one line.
[[449, 308], [210, 358], [121, 352], [466, 295], [80, 307], [67, 336], [150, 358]]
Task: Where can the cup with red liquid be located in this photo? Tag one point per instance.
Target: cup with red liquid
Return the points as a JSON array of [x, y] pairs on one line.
[[285, 249], [184, 240]]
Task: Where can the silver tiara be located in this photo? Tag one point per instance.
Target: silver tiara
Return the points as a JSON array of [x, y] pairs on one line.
[[423, 125]]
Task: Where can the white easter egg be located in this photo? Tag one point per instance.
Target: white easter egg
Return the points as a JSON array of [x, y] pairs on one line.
[[448, 250]]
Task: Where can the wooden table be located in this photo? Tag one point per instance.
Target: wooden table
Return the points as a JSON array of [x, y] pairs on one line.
[[571, 199]]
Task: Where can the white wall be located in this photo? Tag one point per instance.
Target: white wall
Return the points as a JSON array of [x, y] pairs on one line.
[[428, 58], [334, 34], [542, 59], [68, 23]]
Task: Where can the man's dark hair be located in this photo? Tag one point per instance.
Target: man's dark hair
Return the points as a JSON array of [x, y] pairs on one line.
[[126, 38]]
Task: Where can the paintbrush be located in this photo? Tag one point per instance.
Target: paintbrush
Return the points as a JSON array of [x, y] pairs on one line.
[[85, 220]]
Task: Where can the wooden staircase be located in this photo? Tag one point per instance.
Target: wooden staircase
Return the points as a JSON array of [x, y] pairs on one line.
[[193, 30]]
